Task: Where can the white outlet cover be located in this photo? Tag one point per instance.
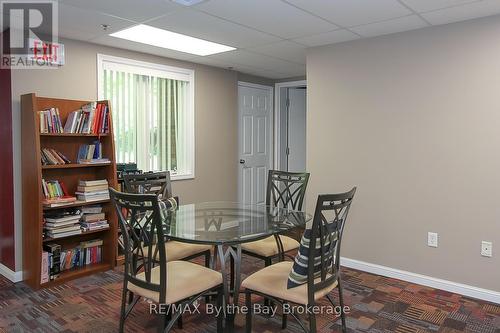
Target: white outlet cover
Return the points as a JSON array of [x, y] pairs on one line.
[[432, 239], [486, 249]]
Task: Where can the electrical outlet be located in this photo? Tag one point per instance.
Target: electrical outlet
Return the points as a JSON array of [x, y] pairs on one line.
[[432, 239], [486, 249]]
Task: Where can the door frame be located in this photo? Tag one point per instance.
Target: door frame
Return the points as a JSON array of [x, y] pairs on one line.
[[277, 103], [270, 90]]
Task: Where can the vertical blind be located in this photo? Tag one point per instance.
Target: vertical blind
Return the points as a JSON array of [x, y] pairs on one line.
[[149, 118]]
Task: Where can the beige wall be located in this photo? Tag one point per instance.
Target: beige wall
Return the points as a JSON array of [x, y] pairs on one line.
[[215, 118], [413, 119]]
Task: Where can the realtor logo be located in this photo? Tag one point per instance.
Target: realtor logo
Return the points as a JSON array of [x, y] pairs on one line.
[[29, 35]]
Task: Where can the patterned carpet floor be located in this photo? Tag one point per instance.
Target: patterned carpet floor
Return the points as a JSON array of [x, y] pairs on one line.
[[378, 304]]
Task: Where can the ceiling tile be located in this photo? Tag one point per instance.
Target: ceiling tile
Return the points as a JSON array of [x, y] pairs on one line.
[[237, 67], [73, 19], [271, 16], [348, 13], [135, 10], [464, 12], [217, 63], [202, 25], [326, 38], [388, 27], [428, 5], [259, 61], [138, 47], [285, 50], [270, 74]]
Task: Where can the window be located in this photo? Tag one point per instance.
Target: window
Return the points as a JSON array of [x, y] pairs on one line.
[[153, 114]]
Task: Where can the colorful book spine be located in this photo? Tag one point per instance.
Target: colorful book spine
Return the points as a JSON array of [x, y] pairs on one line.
[[44, 278]]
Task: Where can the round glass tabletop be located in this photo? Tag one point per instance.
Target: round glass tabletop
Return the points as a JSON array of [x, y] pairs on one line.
[[229, 223]]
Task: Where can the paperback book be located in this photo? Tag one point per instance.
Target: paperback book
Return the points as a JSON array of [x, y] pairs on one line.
[[55, 193], [91, 118], [50, 121], [91, 154], [53, 157]]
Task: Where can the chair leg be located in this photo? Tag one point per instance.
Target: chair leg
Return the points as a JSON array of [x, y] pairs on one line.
[[208, 256], [342, 312], [123, 309], [268, 262], [179, 322], [220, 318], [231, 279], [312, 323], [248, 303], [283, 319], [162, 324], [130, 297]]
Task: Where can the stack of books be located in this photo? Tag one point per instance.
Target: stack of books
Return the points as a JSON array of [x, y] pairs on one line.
[[91, 154], [55, 193], [94, 219], [92, 190], [92, 118], [50, 121], [62, 224], [53, 157]]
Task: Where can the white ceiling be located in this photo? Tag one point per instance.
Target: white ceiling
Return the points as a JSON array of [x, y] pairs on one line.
[[271, 36]]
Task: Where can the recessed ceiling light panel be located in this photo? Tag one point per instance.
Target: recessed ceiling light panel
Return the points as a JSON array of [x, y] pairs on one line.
[[188, 2], [149, 35]]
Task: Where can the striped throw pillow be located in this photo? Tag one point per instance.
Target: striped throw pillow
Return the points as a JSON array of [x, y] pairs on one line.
[[298, 274]]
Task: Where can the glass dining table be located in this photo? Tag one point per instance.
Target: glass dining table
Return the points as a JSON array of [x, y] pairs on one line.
[[227, 225]]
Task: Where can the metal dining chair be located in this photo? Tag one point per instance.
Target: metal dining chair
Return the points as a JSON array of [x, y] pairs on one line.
[[159, 183], [316, 270], [286, 190], [178, 283]]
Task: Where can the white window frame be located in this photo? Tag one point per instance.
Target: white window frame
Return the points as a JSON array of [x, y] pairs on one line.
[[163, 71]]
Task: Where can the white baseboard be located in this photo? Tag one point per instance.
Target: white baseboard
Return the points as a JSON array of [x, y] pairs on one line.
[[454, 287], [10, 274]]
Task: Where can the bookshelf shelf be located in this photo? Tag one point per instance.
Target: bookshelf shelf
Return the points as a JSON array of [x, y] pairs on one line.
[[75, 165], [72, 274], [33, 172], [74, 135], [46, 240], [77, 204]]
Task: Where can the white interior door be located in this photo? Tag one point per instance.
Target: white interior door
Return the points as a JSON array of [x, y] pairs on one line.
[[296, 129], [254, 131]]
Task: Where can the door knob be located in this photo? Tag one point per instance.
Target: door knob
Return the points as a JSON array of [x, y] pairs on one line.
[[242, 161]]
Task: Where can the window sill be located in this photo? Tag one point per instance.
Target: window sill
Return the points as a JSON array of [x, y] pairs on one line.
[[182, 177]]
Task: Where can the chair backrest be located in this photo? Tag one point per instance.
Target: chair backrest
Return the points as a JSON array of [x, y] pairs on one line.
[[149, 183], [143, 239], [286, 189], [326, 236]]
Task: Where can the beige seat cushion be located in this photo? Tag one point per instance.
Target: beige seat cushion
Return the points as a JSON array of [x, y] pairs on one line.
[[267, 247], [272, 281], [184, 279], [179, 250]]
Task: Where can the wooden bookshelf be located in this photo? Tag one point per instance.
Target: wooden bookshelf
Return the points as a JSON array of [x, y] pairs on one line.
[[71, 174]]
